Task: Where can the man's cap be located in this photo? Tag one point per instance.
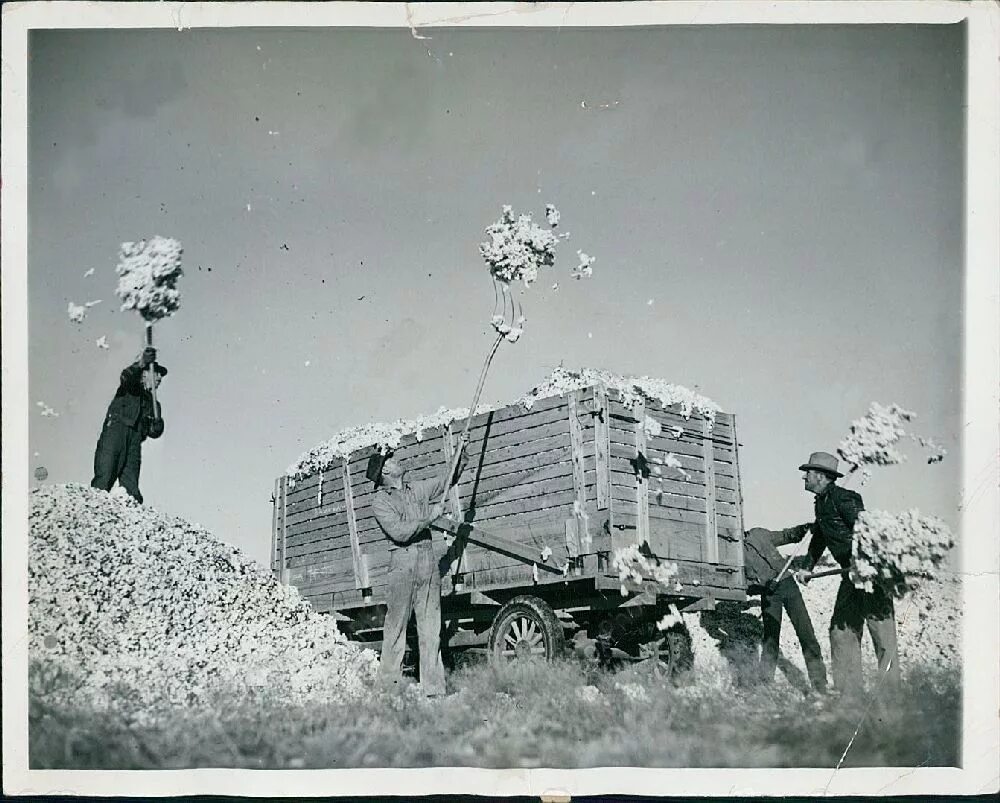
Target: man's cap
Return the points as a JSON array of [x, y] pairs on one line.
[[374, 470], [822, 461], [160, 369]]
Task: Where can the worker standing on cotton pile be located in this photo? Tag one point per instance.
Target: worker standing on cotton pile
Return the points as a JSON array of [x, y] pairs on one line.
[[131, 418], [404, 510]]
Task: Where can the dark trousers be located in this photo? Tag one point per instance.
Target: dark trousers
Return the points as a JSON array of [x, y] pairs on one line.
[[414, 587], [851, 612], [117, 459], [787, 597]]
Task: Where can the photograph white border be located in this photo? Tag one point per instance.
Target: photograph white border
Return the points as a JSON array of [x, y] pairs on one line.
[[980, 522]]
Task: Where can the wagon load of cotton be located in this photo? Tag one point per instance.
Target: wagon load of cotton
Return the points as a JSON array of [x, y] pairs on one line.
[[147, 610], [629, 390], [148, 272]]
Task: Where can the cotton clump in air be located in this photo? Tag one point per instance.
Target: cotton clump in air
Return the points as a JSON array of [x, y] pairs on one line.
[[47, 412], [897, 551], [516, 248], [76, 312], [124, 597], [633, 567], [148, 272], [874, 438], [585, 268]]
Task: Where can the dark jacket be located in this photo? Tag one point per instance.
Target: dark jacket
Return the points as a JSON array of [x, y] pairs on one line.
[[133, 405], [837, 510]]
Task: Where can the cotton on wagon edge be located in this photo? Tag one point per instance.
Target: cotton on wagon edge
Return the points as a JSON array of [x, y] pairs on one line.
[[576, 496]]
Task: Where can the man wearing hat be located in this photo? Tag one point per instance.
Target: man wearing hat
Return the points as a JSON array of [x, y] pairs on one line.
[[405, 509], [130, 419], [837, 510]]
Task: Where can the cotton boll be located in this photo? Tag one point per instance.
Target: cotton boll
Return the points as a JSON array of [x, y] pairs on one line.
[[76, 312], [148, 272]]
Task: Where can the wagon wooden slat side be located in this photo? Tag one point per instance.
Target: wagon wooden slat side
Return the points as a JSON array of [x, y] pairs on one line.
[[550, 494]]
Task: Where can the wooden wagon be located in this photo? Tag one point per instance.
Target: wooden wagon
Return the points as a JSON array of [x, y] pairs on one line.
[[550, 495]]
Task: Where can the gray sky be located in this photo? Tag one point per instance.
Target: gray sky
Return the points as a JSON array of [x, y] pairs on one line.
[[789, 198]]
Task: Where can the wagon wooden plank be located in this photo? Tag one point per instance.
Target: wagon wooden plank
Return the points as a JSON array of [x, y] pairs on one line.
[[723, 421], [625, 517], [624, 450], [274, 524], [309, 487], [640, 488], [508, 576], [622, 466], [559, 479], [619, 493], [692, 425], [510, 431], [283, 523], [664, 446], [690, 428], [602, 447], [737, 546], [541, 502], [667, 494], [623, 480], [379, 575], [360, 565], [335, 571], [711, 551], [676, 540], [581, 528]]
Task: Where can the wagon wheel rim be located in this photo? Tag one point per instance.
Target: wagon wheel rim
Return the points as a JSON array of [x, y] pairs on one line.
[[522, 638]]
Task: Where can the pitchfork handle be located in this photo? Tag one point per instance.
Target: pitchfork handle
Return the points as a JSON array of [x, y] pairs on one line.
[[152, 371], [463, 441], [826, 573]]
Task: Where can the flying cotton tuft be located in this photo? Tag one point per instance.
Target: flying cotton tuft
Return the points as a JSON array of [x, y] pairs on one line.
[[516, 248], [897, 551], [76, 312]]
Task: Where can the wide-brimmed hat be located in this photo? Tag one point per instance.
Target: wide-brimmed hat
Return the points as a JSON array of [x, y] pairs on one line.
[[822, 461], [374, 470]]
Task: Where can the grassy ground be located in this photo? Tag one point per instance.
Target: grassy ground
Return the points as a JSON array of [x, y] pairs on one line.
[[564, 714]]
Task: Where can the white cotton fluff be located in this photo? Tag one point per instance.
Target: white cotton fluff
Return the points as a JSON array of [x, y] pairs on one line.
[[516, 248], [898, 550], [148, 272], [630, 390], [121, 594]]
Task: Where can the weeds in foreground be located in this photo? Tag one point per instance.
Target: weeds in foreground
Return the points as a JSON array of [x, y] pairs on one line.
[[563, 714]]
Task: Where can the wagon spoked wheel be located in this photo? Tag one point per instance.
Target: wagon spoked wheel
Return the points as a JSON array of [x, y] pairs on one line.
[[526, 627], [655, 656], [668, 656]]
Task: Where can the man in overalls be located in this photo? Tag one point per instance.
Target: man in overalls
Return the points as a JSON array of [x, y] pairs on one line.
[[404, 510], [763, 564]]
